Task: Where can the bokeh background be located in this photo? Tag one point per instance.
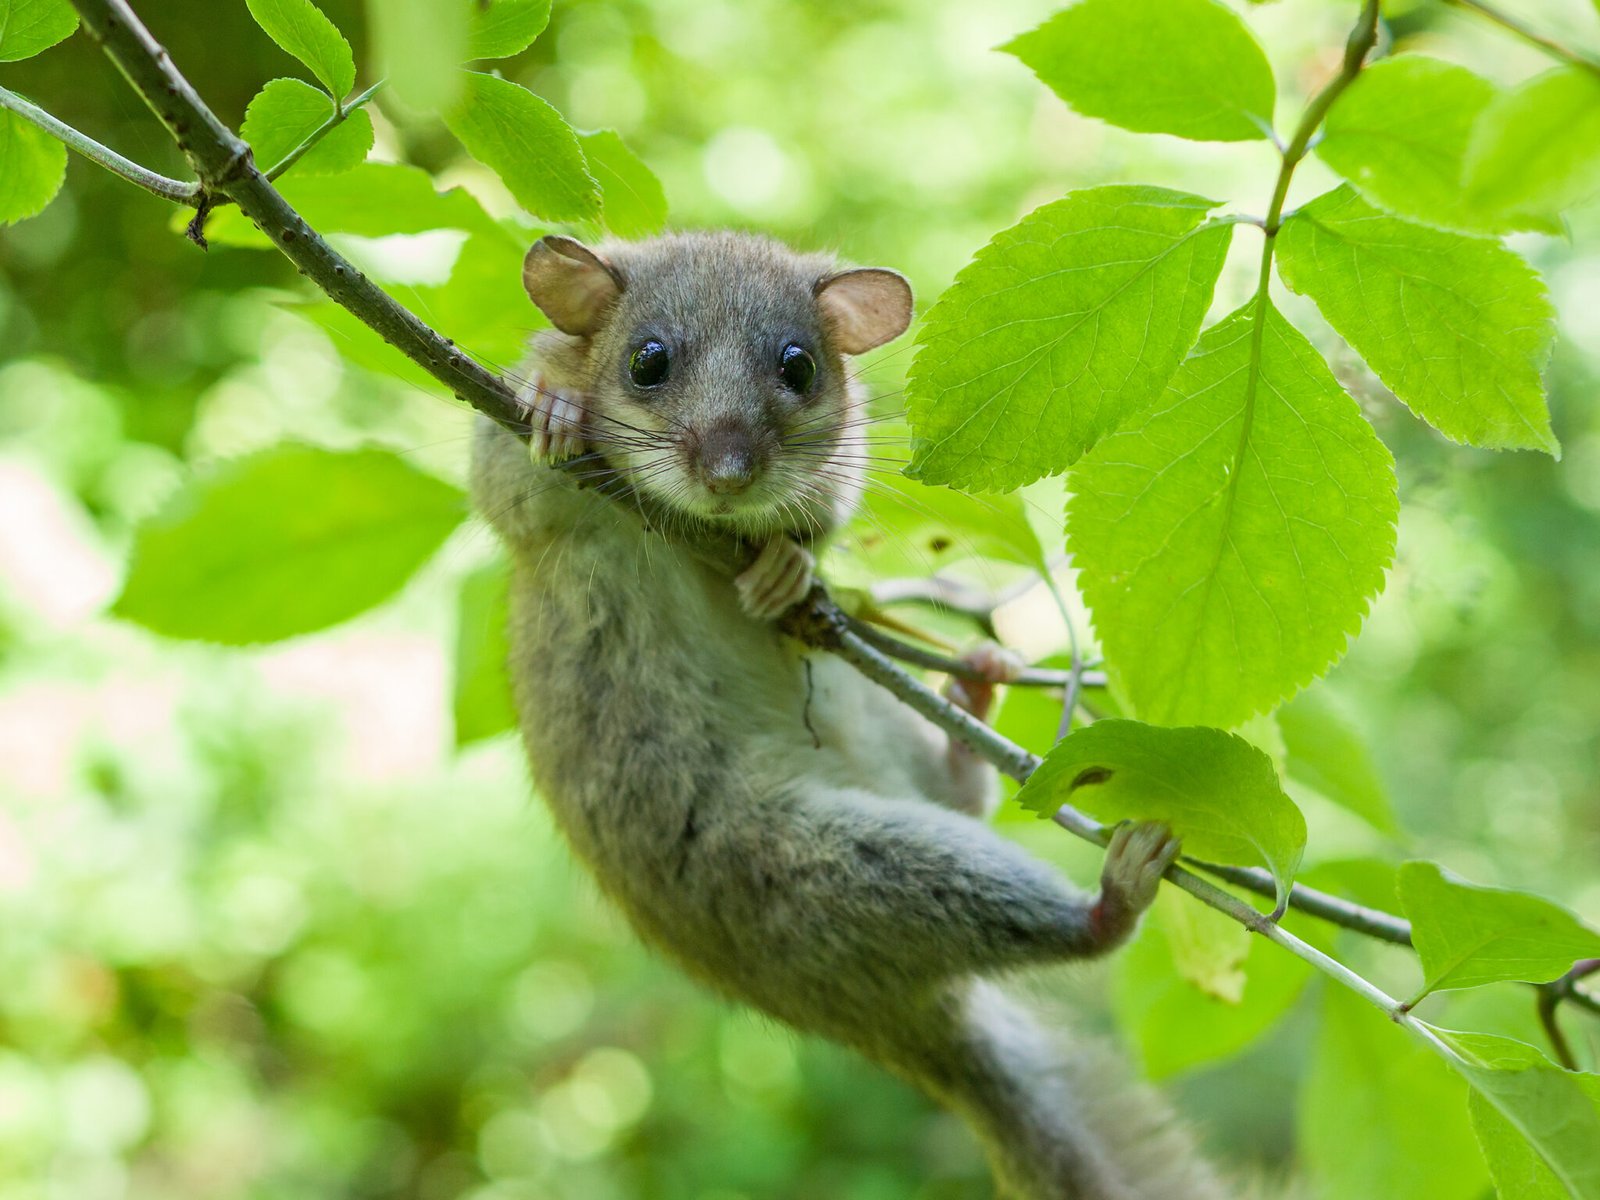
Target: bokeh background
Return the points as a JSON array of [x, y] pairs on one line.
[[264, 930]]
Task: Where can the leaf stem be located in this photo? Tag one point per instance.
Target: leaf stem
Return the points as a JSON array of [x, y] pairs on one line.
[[1528, 34], [175, 190], [340, 113]]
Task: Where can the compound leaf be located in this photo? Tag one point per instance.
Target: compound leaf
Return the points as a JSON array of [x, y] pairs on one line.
[[1400, 134], [1057, 331], [1458, 327], [1187, 67], [1230, 537]]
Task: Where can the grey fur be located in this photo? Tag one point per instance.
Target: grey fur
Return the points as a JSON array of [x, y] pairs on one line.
[[812, 857]]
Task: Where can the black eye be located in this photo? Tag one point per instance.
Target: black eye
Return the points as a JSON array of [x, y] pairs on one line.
[[648, 364], [797, 368]]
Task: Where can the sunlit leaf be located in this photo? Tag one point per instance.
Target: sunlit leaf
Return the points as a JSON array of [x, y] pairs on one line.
[[1381, 1116], [1172, 1024], [29, 26], [301, 28], [1467, 935], [1536, 149], [482, 691], [284, 542], [632, 201], [1539, 1126], [1458, 327], [523, 140], [1061, 327], [1189, 67], [371, 200], [32, 166], [502, 28], [1231, 536], [1326, 752], [1216, 790], [1400, 134], [286, 112]]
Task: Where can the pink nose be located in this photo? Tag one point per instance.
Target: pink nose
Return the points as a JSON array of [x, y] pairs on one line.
[[727, 462]]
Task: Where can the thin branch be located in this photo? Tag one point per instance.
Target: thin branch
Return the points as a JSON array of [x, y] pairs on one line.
[[175, 190], [1528, 34], [931, 660], [340, 113], [947, 595]]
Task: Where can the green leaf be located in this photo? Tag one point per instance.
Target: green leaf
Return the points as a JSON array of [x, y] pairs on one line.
[[631, 199], [1188, 67], [1057, 331], [301, 28], [29, 26], [1379, 1116], [1400, 134], [421, 44], [286, 112], [1536, 149], [1539, 1126], [1231, 536], [285, 542], [1468, 935], [505, 27], [907, 528], [1459, 328], [523, 140], [1216, 790], [32, 166], [371, 200], [482, 693], [1325, 752], [1173, 1024]]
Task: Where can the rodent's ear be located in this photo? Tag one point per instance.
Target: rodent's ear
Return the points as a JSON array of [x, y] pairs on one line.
[[571, 284], [866, 307]]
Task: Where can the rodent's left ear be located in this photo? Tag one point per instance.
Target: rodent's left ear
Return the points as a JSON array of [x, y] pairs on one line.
[[865, 307]]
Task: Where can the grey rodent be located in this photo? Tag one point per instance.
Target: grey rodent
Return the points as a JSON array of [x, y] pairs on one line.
[[797, 839]]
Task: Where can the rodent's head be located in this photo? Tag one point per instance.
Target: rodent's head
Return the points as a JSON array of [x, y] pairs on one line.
[[715, 365]]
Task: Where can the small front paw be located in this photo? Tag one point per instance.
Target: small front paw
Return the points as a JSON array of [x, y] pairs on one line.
[[1139, 854], [779, 579], [555, 422]]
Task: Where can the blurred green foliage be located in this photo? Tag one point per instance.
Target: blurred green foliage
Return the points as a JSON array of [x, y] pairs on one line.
[[264, 933]]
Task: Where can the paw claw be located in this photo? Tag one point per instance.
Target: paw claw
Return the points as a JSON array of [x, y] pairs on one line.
[[779, 579], [555, 420], [1139, 854]]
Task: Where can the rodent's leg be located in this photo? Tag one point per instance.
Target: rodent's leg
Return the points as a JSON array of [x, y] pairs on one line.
[[974, 779], [779, 579], [555, 419]]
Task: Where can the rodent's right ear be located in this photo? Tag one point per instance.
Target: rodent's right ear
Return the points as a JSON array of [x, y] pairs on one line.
[[571, 284]]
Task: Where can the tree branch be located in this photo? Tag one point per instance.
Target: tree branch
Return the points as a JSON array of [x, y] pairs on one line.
[[175, 190]]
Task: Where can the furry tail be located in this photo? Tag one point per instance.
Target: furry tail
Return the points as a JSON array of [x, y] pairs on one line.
[[1057, 1124]]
